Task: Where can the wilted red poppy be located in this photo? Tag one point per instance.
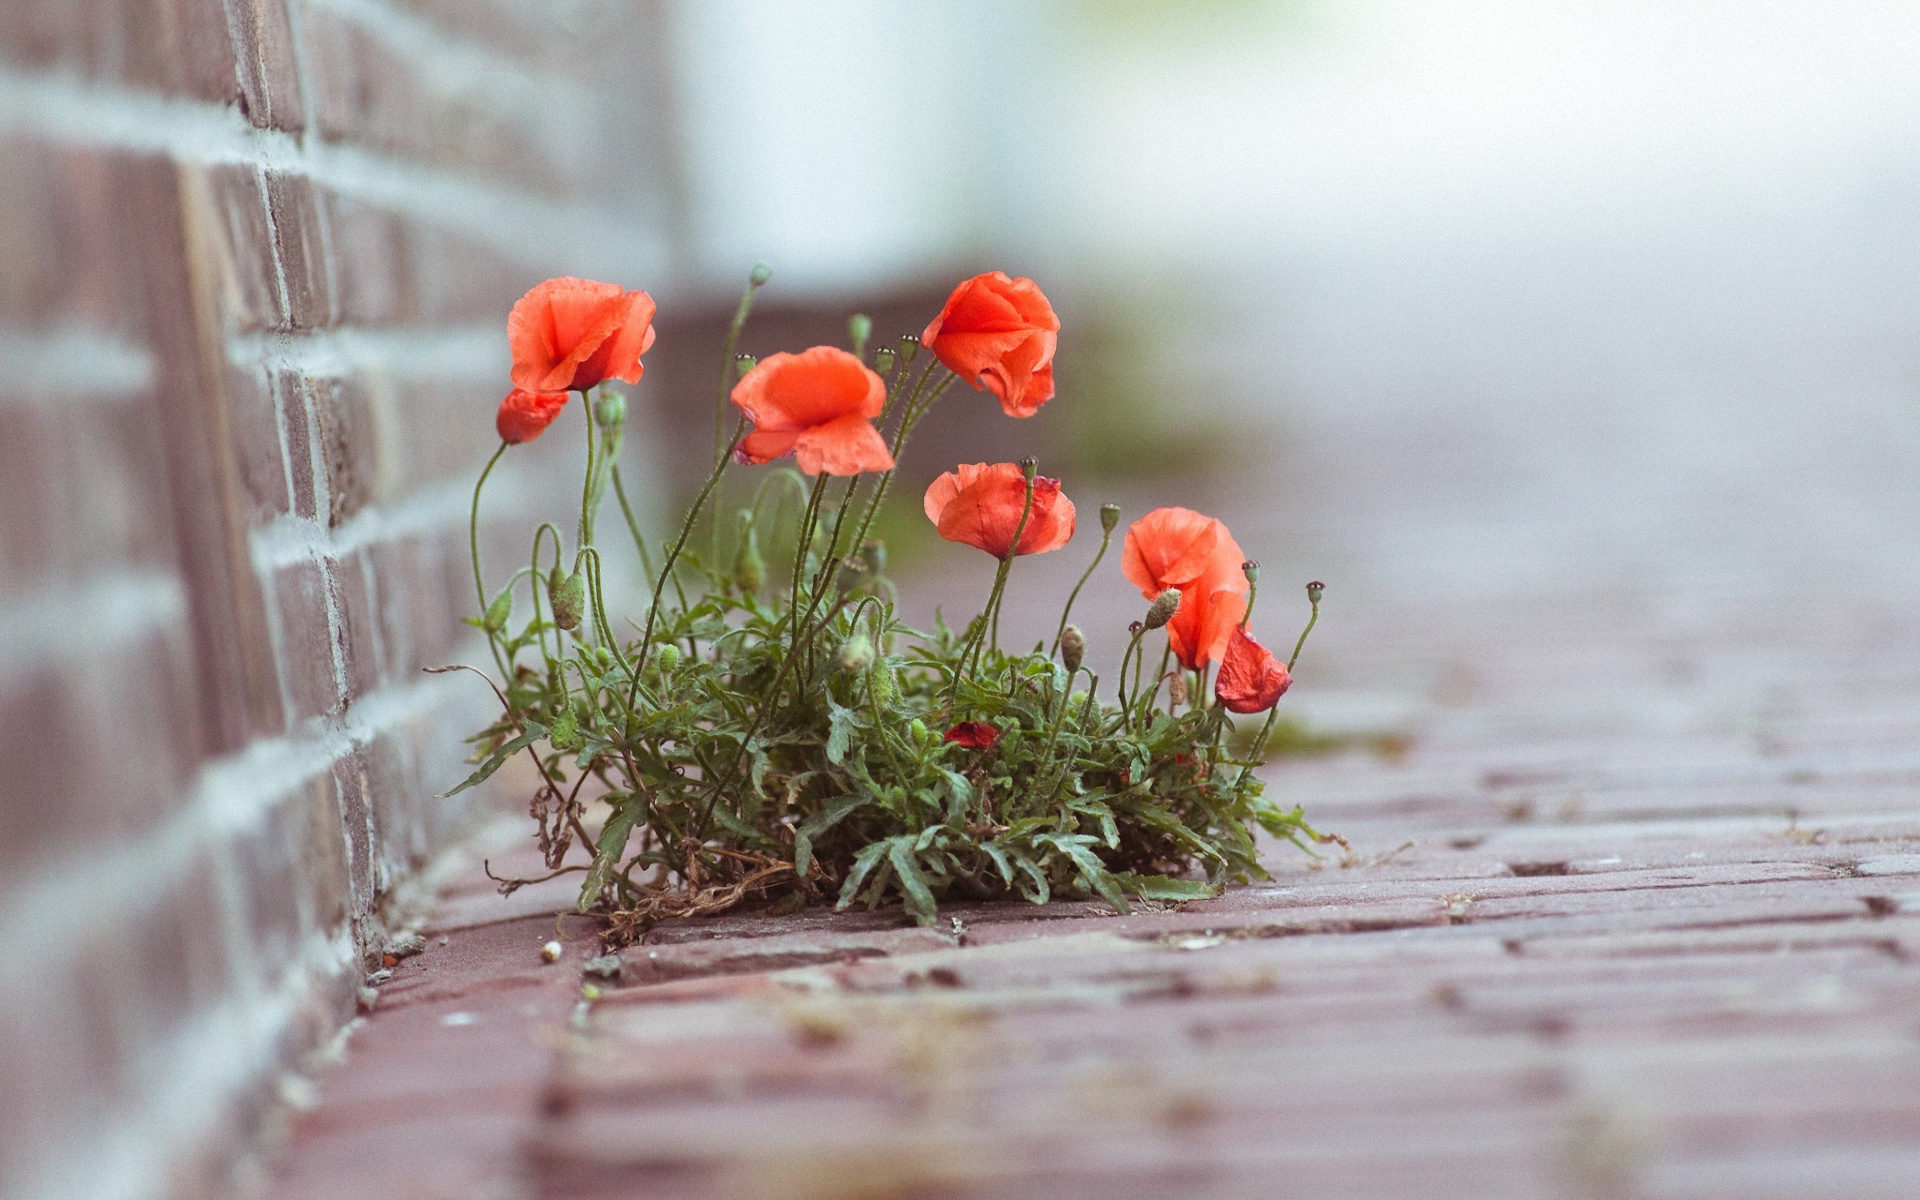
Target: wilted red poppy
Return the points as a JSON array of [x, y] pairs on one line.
[[974, 735], [818, 406], [1180, 548], [1251, 679], [980, 505], [999, 333], [525, 415], [570, 334]]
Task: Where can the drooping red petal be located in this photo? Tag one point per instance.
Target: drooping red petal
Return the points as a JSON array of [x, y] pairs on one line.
[[525, 415], [1251, 679], [974, 735]]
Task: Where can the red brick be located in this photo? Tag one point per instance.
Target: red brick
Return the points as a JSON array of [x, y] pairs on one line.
[[236, 219], [254, 426], [375, 267], [349, 446], [306, 652], [269, 75], [300, 246], [359, 623], [61, 255], [295, 873], [181, 48], [365, 93]]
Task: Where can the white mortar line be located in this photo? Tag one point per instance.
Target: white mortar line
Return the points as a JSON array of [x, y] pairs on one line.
[[58, 621], [93, 887], [37, 365], [184, 1087], [454, 65], [476, 351], [543, 232]]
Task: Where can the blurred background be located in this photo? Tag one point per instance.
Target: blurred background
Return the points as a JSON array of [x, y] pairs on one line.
[[1599, 310]]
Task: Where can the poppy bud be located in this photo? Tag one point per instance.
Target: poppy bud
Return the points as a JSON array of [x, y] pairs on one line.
[[1176, 688], [1073, 647], [883, 360], [1313, 591], [668, 656], [565, 732], [611, 410], [909, 348], [749, 570], [1109, 516], [918, 729], [1134, 627], [1029, 466], [850, 576], [859, 328], [497, 613], [569, 597], [882, 683], [760, 274], [856, 654], [1163, 608], [745, 363], [1251, 570], [602, 656], [873, 552]]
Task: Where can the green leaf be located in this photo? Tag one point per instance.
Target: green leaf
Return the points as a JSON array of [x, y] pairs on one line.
[[1163, 887], [834, 811], [863, 863], [959, 794], [534, 732], [840, 726], [913, 885], [612, 844]]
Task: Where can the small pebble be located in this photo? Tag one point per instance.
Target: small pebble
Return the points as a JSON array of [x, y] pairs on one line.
[[550, 952], [607, 966], [367, 999]]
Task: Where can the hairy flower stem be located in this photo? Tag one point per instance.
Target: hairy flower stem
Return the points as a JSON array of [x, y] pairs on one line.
[[1006, 564], [807, 523], [473, 526], [673, 557], [633, 527], [584, 537], [1120, 680], [1106, 535], [1159, 677], [1312, 617], [1273, 714], [755, 282], [907, 422]]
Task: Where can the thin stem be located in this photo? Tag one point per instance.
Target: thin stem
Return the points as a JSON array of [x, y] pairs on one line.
[[805, 543], [1120, 680], [1006, 563], [673, 556], [633, 527], [907, 422], [1106, 535], [473, 527], [585, 535], [754, 283], [1312, 617]]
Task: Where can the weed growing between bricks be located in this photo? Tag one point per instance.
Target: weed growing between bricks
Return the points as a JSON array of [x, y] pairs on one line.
[[775, 736]]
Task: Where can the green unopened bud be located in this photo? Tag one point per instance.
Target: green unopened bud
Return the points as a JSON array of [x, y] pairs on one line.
[[918, 729], [1163, 609], [1313, 591], [603, 656], [1109, 516], [565, 732], [760, 274], [850, 576], [1073, 647], [859, 328], [495, 618], [743, 364], [568, 594], [611, 411], [856, 654], [873, 552], [749, 570], [668, 656], [883, 360], [883, 685], [1029, 466], [1251, 570], [1077, 701]]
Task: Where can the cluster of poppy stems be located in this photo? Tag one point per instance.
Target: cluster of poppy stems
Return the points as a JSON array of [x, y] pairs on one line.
[[820, 405]]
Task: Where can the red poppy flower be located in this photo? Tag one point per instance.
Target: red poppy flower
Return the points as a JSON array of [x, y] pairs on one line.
[[525, 415], [999, 333], [570, 334], [980, 505], [1251, 679], [1180, 548], [974, 735], [818, 406]]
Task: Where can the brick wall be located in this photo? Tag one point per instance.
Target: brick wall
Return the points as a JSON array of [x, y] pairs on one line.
[[255, 257]]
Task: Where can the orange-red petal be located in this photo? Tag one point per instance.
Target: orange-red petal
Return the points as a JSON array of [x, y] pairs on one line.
[[980, 505], [572, 333], [1251, 680], [819, 404], [847, 446], [525, 415], [1200, 627], [999, 334]]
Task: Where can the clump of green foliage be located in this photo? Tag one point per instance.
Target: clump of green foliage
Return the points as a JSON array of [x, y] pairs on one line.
[[779, 737]]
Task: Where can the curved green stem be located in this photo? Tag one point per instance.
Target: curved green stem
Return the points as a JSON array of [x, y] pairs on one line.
[[1106, 536], [473, 527], [633, 527]]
